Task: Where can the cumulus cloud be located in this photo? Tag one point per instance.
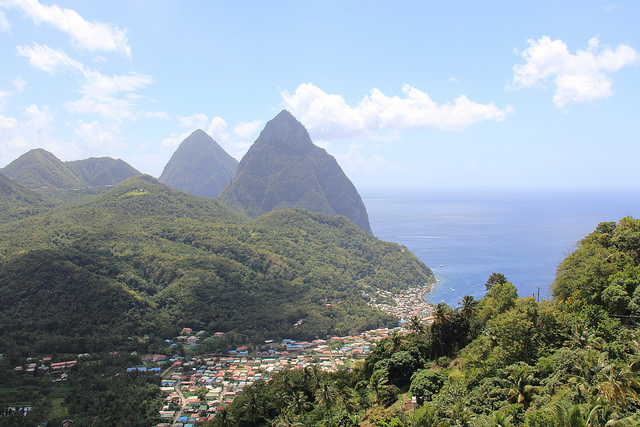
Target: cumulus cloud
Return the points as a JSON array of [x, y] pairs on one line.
[[195, 121], [247, 129], [96, 134], [32, 130], [328, 116], [112, 97], [583, 76], [92, 36]]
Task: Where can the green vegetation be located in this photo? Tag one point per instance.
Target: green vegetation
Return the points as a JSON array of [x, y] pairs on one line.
[[38, 168], [283, 169], [143, 259], [100, 391], [500, 361], [101, 171], [199, 166]]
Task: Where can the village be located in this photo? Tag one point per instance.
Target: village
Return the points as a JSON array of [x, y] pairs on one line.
[[196, 388]]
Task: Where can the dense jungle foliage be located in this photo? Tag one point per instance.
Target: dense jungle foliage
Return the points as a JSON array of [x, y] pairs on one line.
[[500, 361], [98, 392], [143, 259]]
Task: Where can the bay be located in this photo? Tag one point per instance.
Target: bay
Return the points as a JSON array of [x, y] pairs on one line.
[[465, 236]]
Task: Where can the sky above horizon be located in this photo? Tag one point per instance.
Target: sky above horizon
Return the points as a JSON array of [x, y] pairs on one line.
[[432, 95]]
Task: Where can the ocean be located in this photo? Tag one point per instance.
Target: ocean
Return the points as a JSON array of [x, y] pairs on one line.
[[465, 236]]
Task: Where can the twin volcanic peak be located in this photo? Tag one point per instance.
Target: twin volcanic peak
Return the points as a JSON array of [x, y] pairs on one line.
[[39, 168], [284, 169], [199, 166]]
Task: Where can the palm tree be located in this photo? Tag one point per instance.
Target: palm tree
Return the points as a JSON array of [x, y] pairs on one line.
[[521, 390], [469, 306], [395, 342], [442, 313], [252, 408], [297, 403], [224, 419], [326, 395], [569, 416], [619, 385], [459, 415], [583, 337], [347, 397], [416, 325], [286, 420]]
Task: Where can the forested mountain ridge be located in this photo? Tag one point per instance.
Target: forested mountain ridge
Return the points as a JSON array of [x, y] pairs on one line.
[[39, 168], [199, 166], [501, 361], [63, 182], [101, 171], [284, 169], [151, 260]]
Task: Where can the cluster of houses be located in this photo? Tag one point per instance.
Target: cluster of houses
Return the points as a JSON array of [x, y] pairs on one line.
[[45, 365], [405, 304], [205, 385]]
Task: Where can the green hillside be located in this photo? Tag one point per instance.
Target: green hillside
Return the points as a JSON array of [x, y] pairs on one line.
[[17, 201], [501, 361], [38, 168], [101, 171], [199, 166], [283, 169], [152, 260]]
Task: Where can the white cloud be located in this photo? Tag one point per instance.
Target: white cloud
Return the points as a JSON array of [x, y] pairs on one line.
[[50, 60], [578, 77], [174, 140], [328, 116], [92, 36], [247, 129], [193, 122], [19, 83], [98, 134], [112, 97], [4, 24], [32, 130]]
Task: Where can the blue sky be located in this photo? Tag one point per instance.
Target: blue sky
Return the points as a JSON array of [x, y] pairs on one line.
[[407, 94]]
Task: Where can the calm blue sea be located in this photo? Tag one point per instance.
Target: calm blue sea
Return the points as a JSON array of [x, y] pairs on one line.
[[465, 236]]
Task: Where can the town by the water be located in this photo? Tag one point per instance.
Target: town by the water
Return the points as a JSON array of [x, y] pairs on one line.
[[198, 387]]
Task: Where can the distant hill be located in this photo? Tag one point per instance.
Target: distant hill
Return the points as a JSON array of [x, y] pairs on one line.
[[284, 169], [199, 166], [101, 171], [39, 168], [144, 258]]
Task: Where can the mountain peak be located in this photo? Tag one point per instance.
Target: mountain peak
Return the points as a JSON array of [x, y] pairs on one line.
[[283, 169], [39, 168], [199, 166], [285, 132]]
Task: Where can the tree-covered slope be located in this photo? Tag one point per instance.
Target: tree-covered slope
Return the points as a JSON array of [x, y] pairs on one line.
[[173, 260], [199, 166], [500, 361], [17, 201], [38, 168], [284, 169], [101, 171]]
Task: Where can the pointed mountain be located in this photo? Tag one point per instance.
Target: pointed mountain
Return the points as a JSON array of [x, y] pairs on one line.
[[284, 169], [199, 166], [101, 171], [39, 168]]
